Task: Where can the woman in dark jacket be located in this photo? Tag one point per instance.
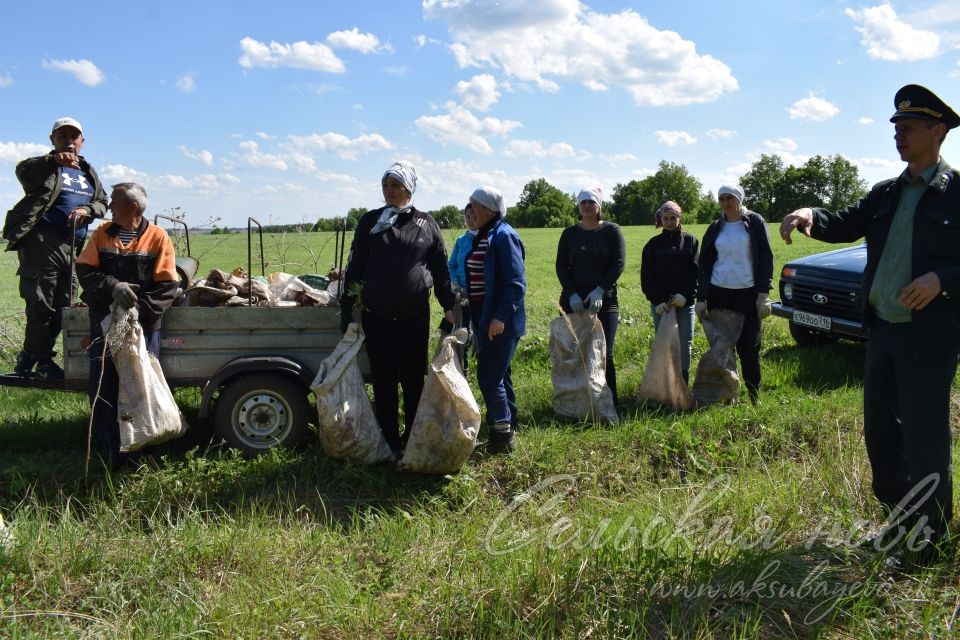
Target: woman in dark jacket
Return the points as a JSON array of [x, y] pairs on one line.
[[396, 256], [668, 277], [736, 273], [590, 259], [496, 287]]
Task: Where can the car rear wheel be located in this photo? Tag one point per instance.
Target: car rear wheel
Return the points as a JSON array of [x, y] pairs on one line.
[[806, 337]]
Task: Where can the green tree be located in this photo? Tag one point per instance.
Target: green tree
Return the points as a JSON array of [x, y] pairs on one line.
[[449, 216], [761, 185], [543, 205], [637, 201], [844, 185], [709, 209]]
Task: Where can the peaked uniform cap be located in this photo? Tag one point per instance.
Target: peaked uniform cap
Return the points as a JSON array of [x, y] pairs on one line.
[[914, 101]]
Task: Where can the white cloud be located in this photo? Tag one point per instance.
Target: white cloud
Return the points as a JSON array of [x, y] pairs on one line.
[[420, 39], [675, 138], [202, 156], [14, 152], [479, 93], [883, 163], [340, 145], [865, 120], [536, 149], [781, 144], [886, 37], [353, 39], [263, 136], [5, 80], [812, 108], [315, 56], [616, 158], [83, 70], [256, 158], [229, 177], [717, 134], [121, 173], [186, 83], [397, 71], [552, 40], [459, 126]]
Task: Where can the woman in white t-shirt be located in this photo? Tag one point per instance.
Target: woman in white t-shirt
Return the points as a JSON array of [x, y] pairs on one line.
[[736, 273]]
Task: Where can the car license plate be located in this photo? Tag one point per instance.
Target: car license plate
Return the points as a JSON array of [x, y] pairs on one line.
[[812, 320]]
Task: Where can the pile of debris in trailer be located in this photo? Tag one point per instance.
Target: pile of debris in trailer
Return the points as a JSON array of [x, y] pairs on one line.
[[237, 289]]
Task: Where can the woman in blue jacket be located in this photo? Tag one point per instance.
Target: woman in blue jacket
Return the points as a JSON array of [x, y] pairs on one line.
[[496, 286]]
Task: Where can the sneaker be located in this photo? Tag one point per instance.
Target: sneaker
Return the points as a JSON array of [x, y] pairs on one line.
[[49, 370], [25, 364]]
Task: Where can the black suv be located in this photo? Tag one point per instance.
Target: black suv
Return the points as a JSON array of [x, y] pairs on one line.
[[822, 294]]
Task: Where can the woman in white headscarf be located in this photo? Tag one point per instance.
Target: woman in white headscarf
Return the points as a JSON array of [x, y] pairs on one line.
[[736, 273], [496, 288], [397, 255], [591, 256]]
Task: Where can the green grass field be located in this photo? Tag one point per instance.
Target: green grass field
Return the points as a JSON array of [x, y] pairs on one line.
[[732, 522]]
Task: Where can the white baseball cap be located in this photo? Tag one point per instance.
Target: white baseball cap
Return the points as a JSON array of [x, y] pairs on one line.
[[66, 122]]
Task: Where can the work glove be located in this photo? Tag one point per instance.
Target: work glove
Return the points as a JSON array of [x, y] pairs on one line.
[[595, 300], [661, 308], [764, 308], [125, 294], [678, 300], [701, 310], [576, 303]]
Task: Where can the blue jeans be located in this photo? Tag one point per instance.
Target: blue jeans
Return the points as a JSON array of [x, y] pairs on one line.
[[493, 377], [610, 320], [685, 326]]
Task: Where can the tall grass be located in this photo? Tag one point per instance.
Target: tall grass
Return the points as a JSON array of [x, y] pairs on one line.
[[729, 522]]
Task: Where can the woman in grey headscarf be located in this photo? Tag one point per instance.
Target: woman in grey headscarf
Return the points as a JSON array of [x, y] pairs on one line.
[[397, 255], [496, 288]]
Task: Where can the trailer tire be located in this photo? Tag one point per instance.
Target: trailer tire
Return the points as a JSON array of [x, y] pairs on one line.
[[261, 411]]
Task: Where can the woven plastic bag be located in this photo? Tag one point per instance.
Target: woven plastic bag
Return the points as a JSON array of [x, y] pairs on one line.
[[578, 369], [146, 410], [347, 424], [717, 381], [662, 378], [444, 432]]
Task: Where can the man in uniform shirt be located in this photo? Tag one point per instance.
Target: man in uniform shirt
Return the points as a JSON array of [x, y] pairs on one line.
[[912, 306], [62, 193]]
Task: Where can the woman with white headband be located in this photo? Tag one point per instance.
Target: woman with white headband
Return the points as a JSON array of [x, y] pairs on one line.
[[668, 276], [590, 260], [496, 287], [736, 273], [397, 255]]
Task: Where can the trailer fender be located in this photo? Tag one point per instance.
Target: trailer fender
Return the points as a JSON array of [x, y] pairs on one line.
[[274, 365]]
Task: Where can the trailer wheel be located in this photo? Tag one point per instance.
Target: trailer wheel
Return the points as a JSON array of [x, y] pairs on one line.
[[260, 411]]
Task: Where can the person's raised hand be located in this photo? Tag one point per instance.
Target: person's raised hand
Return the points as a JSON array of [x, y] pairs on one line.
[[801, 219]]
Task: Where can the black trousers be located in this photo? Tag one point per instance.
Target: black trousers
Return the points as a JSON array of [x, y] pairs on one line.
[[748, 345], [397, 349], [906, 424], [45, 278]]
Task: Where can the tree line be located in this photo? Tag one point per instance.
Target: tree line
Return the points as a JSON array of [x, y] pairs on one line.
[[771, 189]]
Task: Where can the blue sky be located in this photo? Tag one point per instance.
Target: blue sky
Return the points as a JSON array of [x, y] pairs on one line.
[[291, 110]]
